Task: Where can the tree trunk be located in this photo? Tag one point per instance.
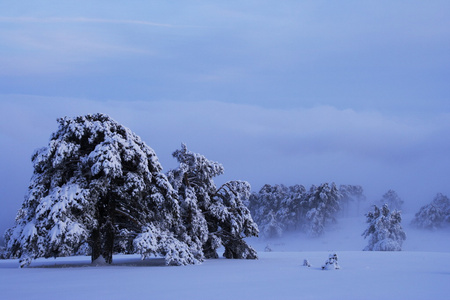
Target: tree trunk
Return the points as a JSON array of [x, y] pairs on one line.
[[209, 251], [102, 238], [108, 241], [95, 245]]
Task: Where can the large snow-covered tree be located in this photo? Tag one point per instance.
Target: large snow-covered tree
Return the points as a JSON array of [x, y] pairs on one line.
[[385, 231], [213, 217], [435, 214], [97, 183]]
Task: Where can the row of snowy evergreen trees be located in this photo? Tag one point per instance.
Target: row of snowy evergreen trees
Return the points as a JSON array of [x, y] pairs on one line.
[[280, 208], [98, 188]]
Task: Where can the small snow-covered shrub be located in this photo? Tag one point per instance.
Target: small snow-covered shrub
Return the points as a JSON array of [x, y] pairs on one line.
[[331, 263], [306, 263]]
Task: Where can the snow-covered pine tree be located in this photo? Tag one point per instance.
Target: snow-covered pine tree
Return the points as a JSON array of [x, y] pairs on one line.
[[213, 216], [385, 232], [321, 205], [392, 200], [435, 214], [97, 183], [291, 207]]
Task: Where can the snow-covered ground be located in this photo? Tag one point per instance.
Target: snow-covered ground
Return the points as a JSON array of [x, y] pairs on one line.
[[421, 271]]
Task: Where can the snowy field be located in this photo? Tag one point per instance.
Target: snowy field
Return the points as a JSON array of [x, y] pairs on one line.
[[421, 271]]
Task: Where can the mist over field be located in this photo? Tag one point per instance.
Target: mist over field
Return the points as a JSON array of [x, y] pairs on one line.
[[418, 272], [256, 144], [346, 235]]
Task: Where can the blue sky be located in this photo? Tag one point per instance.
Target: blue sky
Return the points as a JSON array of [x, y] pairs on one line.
[[279, 92]]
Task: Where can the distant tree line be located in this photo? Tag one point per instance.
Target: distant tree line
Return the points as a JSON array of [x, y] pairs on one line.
[[279, 208]]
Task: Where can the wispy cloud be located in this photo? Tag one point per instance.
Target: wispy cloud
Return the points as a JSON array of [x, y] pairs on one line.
[[36, 50], [79, 20]]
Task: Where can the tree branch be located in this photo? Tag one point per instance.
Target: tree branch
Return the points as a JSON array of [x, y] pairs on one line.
[[130, 217]]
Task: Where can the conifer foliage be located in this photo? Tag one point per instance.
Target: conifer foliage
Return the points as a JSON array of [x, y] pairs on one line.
[[97, 183], [392, 199], [331, 263], [435, 214], [323, 203], [278, 208], [385, 232], [213, 217], [273, 208]]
